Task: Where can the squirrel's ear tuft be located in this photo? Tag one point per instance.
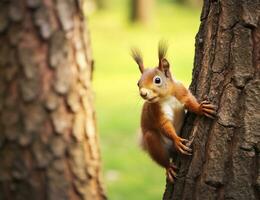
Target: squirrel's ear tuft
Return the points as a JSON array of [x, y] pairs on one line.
[[162, 49], [164, 65], [137, 56]]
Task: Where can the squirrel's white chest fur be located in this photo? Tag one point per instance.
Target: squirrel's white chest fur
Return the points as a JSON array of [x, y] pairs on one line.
[[170, 106], [173, 110]]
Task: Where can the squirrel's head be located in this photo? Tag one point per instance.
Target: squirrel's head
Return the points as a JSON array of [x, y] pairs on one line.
[[155, 83]]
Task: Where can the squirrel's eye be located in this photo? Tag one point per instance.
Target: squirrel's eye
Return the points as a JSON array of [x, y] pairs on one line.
[[157, 80]]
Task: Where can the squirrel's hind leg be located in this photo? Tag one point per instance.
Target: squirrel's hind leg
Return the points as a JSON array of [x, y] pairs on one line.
[[159, 153]]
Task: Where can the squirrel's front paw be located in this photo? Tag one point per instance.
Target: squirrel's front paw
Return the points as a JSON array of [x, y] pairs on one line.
[[208, 109], [180, 145]]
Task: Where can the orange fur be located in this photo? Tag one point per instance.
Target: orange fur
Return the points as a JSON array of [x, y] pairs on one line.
[[163, 111], [154, 146], [185, 96]]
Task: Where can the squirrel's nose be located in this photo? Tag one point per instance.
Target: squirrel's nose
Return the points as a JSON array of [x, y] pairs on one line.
[[143, 92]]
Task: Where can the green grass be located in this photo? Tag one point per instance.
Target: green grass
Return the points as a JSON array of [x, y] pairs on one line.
[[129, 174]]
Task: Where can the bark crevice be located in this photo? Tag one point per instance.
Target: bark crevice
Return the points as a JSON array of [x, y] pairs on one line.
[[225, 159], [48, 138]]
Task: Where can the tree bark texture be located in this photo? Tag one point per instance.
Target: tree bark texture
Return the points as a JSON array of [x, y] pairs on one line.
[[48, 141], [225, 161]]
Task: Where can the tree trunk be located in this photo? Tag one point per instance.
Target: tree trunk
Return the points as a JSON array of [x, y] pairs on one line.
[[142, 10], [48, 141], [102, 4], [193, 3], [225, 161]]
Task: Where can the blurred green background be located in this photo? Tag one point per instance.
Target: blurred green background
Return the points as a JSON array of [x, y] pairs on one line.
[[128, 172]]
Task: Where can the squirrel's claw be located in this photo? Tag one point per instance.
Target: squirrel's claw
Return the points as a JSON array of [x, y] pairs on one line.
[[210, 115], [184, 140], [185, 152], [208, 109], [171, 173], [181, 147]]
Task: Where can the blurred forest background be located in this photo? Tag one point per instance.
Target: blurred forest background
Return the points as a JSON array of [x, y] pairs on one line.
[[128, 172]]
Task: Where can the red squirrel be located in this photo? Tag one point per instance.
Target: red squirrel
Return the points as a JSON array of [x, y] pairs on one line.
[[164, 110]]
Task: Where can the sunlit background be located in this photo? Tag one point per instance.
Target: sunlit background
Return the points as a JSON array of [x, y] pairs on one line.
[[128, 172]]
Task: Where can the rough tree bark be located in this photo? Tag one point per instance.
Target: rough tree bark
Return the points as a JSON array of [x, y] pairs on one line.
[[48, 142], [225, 161]]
